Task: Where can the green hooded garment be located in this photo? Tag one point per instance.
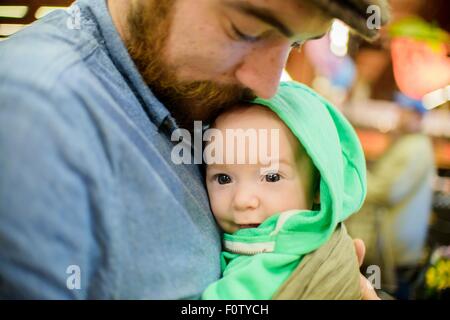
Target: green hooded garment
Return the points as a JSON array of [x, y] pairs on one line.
[[258, 261]]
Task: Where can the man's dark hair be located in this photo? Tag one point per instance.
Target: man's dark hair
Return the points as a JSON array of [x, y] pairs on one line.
[[354, 14]]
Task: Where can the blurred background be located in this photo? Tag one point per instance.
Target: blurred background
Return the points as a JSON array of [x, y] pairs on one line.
[[395, 92], [387, 90]]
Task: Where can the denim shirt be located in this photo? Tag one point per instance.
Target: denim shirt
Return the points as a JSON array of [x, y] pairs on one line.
[[91, 205]]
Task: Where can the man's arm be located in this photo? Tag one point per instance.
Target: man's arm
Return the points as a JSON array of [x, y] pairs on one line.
[[45, 212]]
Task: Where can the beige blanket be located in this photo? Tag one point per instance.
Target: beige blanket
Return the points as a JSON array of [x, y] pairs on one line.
[[329, 273]]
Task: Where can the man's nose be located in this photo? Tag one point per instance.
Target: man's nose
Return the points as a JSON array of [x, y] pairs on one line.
[[262, 68]]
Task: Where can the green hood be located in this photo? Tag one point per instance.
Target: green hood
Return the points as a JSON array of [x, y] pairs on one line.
[[335, 150]]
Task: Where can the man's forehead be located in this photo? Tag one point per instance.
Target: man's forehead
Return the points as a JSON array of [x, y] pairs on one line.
[[278, 6], [292, 18]]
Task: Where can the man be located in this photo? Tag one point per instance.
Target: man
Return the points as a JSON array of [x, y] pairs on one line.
[[91, 205]]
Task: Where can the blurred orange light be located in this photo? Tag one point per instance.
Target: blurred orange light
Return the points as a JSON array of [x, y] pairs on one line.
[[419, 67]]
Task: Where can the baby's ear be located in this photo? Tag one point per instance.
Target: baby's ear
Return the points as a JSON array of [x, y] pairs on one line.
[[316, 202], [316, 199], [316, 187]]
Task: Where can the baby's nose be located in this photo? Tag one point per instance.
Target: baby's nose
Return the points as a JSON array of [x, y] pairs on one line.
[[245, 200]]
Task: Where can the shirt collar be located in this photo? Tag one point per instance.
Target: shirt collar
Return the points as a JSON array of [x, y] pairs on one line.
[[156, 111]]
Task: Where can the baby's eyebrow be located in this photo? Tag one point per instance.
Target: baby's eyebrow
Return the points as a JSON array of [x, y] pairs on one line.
[[216, 166], [282, 161]]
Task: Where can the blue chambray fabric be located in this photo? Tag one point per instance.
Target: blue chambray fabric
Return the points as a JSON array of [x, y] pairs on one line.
[[86, 177]]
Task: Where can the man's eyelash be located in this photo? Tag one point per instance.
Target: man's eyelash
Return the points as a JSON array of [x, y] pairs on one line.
[[244, 36], [297, 45]]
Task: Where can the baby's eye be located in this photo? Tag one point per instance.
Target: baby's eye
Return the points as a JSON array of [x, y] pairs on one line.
[[272, 177], [223, 178]]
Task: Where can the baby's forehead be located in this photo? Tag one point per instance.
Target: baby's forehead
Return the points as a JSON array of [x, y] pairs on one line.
[[248, 116], [261, 125]]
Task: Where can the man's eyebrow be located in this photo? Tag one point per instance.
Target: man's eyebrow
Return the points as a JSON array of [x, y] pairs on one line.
[[264, 15]]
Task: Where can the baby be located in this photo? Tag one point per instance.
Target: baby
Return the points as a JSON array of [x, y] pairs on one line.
[[281, 214]]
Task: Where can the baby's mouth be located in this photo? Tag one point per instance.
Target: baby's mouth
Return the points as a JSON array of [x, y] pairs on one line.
[[247, 226]]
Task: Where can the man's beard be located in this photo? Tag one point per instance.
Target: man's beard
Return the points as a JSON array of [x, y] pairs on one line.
[[149, 25]]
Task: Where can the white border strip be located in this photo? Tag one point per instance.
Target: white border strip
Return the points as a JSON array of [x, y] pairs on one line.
[[249, 248]]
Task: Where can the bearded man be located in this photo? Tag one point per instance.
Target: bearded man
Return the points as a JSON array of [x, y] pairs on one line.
[[91, 205]]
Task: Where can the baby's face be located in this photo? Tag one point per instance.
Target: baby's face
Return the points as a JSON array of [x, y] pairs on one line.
[[244, 195]]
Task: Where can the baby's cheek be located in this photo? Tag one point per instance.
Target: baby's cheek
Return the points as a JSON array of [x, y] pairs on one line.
[[222, 214], [218, 204], [283, 200]]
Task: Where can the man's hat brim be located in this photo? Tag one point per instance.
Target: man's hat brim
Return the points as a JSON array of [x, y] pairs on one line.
[[357, 14]]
